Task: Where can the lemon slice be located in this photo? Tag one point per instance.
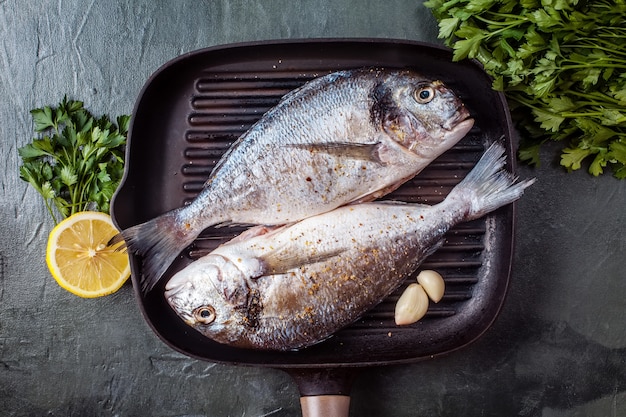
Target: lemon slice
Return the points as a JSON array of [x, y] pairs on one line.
[[80, 260]]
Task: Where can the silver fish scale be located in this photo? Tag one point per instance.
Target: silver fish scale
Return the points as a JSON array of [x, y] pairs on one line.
[[227, 104]]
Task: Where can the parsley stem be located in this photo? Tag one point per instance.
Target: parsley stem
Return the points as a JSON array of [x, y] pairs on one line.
[[47, 201], [595, 46], [595, 96], [508, 24], [522, 100], [572, 115], [603, 60], [579, 64]]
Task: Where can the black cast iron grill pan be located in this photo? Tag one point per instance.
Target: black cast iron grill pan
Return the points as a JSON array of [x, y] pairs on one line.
[[193, 108]]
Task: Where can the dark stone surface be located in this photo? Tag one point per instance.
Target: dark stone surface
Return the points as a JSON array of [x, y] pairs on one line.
[[556, 350]]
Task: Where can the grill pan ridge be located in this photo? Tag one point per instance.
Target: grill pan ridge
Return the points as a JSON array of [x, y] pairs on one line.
[[193, 108]]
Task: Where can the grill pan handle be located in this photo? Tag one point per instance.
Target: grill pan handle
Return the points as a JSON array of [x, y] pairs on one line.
[[324, 392], [325, 406]]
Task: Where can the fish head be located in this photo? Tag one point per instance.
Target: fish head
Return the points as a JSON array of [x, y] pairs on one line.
[[424, 116], [211, 296]]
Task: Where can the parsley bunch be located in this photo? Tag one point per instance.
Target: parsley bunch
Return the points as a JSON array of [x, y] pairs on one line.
[[77, 161], [562, 66]]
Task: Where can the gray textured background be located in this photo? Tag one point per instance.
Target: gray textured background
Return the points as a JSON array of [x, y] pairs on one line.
[[558, 348]]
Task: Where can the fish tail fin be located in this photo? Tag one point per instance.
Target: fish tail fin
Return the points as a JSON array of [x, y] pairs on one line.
[[489, 186], [158, 242]]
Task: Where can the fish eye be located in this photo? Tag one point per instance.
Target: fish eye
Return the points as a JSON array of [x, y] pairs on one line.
[[204, 314], [424, 95]]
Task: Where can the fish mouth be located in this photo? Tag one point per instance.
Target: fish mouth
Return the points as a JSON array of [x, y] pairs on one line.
[[462, 115], [170, 293], [175, 284], [459, 130], [172, 290]]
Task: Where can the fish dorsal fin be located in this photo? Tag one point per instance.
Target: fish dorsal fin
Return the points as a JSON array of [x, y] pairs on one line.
[[360, 151]]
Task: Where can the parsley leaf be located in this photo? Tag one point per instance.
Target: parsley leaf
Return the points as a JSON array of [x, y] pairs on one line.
[[573, 157], [77, 161]]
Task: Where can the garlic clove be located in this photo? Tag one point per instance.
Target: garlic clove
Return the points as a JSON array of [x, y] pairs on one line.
[[412, 305], [433, 284]]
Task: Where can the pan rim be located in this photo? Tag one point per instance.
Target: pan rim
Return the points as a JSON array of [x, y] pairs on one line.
[[268, 43]]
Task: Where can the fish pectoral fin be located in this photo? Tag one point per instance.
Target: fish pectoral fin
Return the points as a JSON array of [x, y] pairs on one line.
[[360, 151], [256, 231], [281, 262]]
